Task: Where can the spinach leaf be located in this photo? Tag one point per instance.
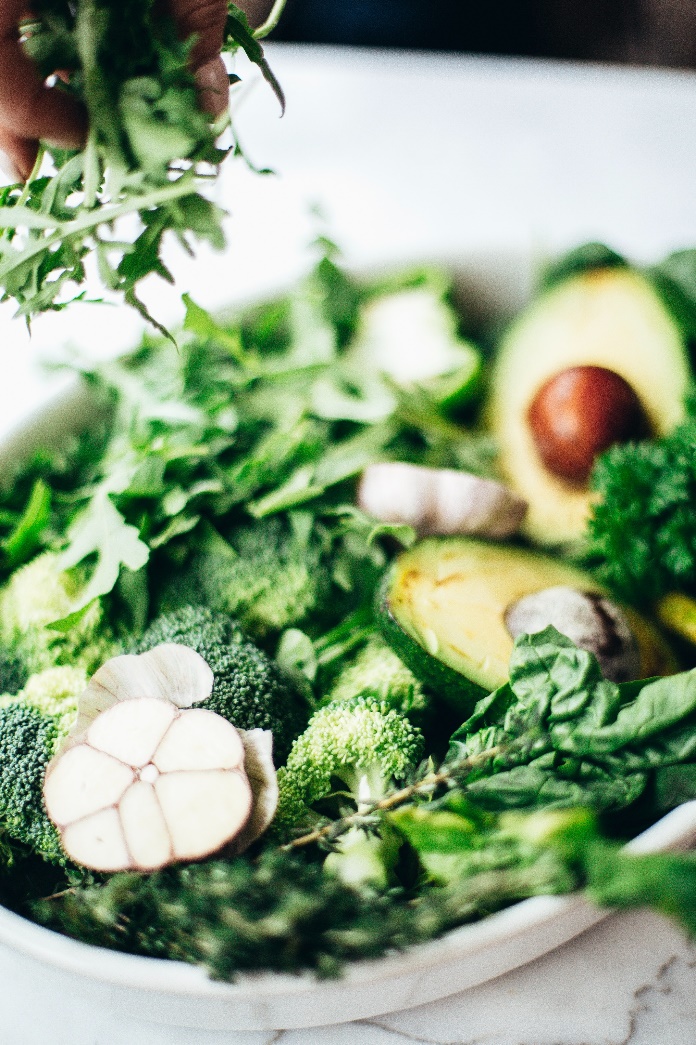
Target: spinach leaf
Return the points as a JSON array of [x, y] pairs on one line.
[[569, 737]]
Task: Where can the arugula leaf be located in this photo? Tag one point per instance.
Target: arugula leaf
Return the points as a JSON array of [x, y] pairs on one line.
[[25, 537], [101, 531]]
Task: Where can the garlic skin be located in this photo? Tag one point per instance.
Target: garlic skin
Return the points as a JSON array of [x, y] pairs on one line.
[[590, 620], [149, 785], [440, 501], [170, 672]]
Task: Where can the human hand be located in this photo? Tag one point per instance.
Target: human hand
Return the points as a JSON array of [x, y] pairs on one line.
[[29, 110]]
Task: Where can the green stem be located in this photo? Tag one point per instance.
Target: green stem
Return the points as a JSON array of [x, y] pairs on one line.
[[92, 220], [26, 188], [272, 20]]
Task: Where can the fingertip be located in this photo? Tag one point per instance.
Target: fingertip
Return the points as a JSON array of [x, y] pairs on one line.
[[17, 156], [213, 87]]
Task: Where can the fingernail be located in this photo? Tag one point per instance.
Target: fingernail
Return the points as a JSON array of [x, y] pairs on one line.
[[8, 169]]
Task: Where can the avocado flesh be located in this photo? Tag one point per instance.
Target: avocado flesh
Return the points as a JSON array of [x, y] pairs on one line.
[[609, 318], [444, 604]]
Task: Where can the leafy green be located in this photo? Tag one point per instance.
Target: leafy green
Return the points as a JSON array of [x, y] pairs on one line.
[[101, 531], [149, 153], [642, 532], [25, 536], [208, 437], [561, 735]]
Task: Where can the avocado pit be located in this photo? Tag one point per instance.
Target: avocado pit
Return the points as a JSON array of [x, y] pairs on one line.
[[578, 414]]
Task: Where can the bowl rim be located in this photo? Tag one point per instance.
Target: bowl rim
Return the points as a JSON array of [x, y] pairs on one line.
[[674, 831]]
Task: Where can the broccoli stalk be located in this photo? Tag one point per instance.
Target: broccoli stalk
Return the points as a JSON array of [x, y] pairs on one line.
[[365, 746], [363, 742]]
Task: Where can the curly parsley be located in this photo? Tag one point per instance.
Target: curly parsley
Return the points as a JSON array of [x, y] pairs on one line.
[[643, 529]]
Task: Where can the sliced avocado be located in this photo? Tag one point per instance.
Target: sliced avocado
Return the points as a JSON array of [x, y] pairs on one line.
[[610, 318], [678, 614], [443, 609]]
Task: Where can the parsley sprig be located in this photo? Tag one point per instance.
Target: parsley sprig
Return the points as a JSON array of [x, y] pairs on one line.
[[148, 156]]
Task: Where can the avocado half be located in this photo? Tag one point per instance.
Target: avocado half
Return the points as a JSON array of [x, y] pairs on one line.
[[442, 609], [611, 318]]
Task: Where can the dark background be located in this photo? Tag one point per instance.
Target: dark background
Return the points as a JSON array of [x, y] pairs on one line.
[[659, 32]]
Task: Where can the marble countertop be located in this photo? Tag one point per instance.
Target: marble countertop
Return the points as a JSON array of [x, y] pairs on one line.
[[420, 156]]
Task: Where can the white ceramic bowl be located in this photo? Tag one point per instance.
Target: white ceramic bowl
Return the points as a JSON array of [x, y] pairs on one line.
[[143, 991]]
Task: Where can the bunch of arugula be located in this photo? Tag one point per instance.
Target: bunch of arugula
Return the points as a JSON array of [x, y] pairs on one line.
[[148, 155]]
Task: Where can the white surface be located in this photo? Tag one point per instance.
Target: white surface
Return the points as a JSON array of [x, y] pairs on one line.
[[407, 156]]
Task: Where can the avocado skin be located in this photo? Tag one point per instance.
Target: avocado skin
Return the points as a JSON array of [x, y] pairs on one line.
[[459, 692]]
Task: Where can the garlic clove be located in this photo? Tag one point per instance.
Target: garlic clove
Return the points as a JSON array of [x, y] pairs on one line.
[[82, 782], [200, 740], [201, 808], [97, 841], [440, 501], [590, 620], [133, 741], [170, 672], [261, 773], [145, 830]]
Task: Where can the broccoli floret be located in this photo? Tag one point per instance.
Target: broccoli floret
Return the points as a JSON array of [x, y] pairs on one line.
[[378, 672], [265, 576], [54, 692], [363, 743], [39, 594], [13, 673], [28, 740], [249, 689]]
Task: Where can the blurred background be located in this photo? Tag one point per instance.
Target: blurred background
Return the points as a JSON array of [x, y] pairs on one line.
[[649, 32]]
